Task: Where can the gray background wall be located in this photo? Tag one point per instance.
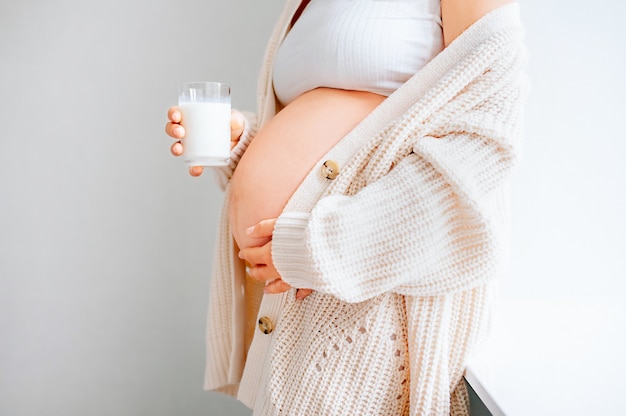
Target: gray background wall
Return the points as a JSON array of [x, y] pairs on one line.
[[106, 242]]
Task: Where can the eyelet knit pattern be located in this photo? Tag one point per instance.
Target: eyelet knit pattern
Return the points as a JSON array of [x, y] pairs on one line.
[[336, 344]]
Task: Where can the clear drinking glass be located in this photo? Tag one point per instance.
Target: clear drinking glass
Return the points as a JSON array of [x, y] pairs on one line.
[[205, 109]]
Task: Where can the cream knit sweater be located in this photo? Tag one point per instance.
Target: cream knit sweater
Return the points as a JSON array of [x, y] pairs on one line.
[[402, 249]]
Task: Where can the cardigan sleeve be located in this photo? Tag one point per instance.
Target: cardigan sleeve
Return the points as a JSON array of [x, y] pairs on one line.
[[427, 227], [224, 173]]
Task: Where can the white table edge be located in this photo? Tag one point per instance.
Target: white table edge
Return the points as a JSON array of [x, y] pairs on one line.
[[474, 381]]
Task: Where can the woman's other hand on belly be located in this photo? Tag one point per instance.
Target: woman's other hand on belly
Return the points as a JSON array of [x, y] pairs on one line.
[[259, 258], [175, 130]]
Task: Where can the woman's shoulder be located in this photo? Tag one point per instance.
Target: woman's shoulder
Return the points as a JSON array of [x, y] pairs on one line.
[[458, 15]]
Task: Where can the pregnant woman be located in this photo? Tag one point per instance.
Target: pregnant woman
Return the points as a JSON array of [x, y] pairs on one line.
[[365, 219]]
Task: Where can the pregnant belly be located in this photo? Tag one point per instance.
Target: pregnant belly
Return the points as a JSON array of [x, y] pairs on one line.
[[286, 149]]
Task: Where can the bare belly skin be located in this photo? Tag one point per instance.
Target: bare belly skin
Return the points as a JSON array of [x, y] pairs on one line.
[[286, 149]]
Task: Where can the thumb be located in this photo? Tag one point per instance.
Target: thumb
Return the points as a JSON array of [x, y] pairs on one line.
[[237, 123]]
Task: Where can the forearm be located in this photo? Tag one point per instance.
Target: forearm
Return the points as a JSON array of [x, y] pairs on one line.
[[409, 233], [427, 227]]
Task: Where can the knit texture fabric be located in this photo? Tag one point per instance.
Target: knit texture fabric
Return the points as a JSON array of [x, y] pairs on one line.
[[403, 248]]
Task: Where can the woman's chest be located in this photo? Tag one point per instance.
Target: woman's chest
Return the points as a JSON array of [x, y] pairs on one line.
[[368, 45]]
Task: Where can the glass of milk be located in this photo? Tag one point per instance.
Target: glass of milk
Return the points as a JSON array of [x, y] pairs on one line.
[[205, 109]]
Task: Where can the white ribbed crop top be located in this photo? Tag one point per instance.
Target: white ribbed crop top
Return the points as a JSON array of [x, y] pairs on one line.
[[365, 45]]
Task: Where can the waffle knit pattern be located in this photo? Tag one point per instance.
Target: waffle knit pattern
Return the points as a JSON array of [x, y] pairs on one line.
[[402, 249]]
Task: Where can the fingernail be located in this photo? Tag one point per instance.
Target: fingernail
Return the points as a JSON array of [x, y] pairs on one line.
[[250, 230]]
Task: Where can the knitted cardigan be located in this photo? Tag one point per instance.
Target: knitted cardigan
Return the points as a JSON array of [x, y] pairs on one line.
[[402, 249]]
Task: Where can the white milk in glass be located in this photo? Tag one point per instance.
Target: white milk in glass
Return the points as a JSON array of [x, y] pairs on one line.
[[205, 109], [207, 133]]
